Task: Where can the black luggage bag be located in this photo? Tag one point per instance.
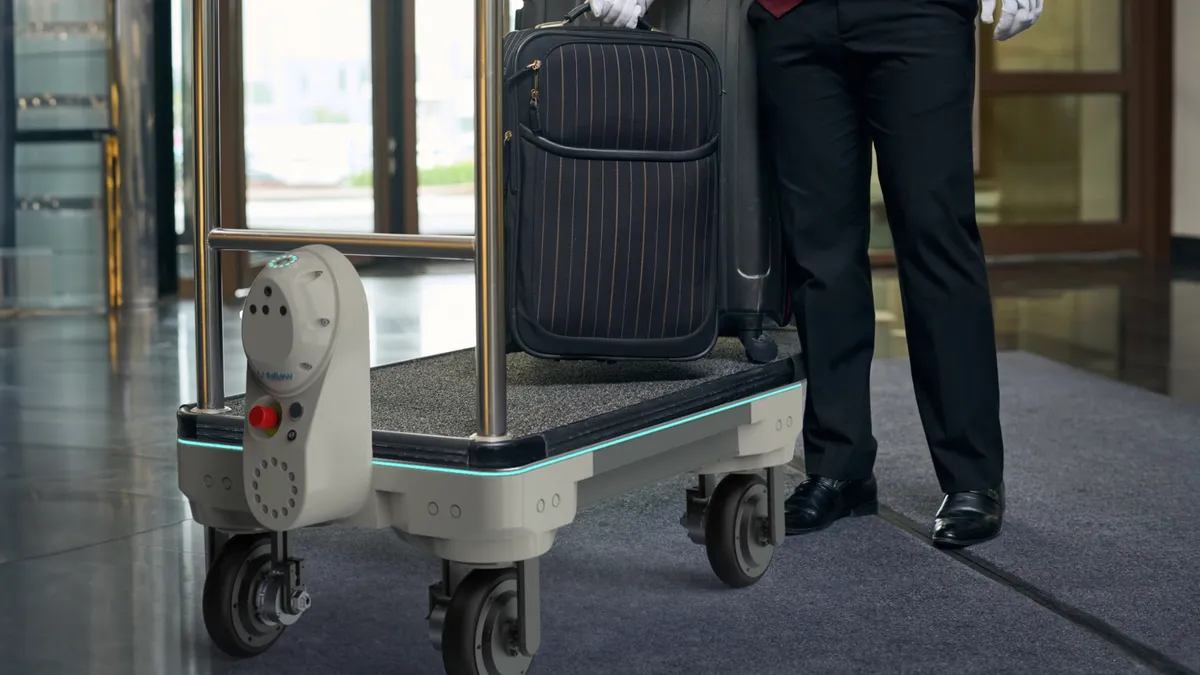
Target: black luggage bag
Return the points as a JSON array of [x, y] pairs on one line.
[[752, 284], [611, 192]]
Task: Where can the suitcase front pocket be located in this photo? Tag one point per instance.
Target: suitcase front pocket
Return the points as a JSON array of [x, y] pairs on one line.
[[614, 250], [618, 96]]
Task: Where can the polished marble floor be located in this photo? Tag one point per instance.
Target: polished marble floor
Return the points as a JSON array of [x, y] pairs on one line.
[[96, 546]]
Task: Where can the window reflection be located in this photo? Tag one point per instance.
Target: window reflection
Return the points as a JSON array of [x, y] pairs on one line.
[[1080, 326]]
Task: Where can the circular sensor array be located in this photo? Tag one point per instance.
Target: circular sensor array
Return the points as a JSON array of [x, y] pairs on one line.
[[274, 470]]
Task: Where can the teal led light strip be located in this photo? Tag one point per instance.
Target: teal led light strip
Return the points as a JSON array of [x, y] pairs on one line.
[[545, 462]]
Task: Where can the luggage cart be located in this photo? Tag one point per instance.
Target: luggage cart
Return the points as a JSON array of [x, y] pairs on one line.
[[484, 492]]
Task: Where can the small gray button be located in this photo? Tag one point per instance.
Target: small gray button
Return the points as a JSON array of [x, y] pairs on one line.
[[296, 410]]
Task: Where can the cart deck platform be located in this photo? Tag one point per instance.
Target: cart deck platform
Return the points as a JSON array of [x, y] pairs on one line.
[[423, 410]]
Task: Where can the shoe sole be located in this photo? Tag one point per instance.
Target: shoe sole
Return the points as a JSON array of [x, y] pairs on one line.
[[870, 508]]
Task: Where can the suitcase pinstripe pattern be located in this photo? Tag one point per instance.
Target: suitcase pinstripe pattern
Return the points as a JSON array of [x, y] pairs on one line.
[[611, 165]]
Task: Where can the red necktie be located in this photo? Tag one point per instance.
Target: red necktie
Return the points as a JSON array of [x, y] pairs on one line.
[[779, 7]]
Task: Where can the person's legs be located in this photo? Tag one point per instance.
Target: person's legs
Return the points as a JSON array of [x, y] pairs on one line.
[[821, 159], [917, 59]]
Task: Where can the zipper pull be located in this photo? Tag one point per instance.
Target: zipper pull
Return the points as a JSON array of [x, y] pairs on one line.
[[536, 67]]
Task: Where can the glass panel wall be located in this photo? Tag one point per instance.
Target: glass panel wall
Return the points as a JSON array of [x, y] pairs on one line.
[[53, 255], [181, 42]]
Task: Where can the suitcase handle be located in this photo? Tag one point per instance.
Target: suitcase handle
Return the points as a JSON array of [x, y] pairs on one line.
[[583, 8]]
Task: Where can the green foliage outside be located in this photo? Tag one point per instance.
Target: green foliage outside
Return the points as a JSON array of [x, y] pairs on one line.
[[450, 174]]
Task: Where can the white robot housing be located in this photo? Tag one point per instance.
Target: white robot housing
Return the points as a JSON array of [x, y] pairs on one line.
[[307, 440]]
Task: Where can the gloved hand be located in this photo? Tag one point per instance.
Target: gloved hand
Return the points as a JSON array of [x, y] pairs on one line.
[[623, 13], [1015, 16]]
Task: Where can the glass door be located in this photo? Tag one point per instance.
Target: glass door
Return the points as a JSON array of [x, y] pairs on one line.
[[1058, 135], [444, 52], [308, 116]]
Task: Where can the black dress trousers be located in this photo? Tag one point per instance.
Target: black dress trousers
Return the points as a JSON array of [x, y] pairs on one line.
[[837, 76]]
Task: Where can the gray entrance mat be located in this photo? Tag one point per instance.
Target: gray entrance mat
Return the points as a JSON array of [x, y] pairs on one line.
[[1102, 483]]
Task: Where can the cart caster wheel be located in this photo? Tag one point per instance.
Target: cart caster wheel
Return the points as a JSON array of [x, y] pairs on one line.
[[234, 591], [479, 636], [736, 530], [760, 348]]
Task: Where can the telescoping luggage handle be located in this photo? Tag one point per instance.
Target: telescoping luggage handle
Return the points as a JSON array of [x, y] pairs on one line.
[[584, 8]]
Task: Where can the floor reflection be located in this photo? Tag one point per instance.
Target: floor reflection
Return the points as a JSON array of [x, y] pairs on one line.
[[96, 541]]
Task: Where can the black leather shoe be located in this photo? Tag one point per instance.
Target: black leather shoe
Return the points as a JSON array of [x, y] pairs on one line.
[[969, 518], [818, 502]]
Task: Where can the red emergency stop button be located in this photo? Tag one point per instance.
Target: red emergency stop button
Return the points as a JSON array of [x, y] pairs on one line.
[[262, 417]]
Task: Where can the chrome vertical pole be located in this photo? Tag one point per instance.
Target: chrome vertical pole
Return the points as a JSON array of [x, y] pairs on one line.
[[490, 330], [210, 375]]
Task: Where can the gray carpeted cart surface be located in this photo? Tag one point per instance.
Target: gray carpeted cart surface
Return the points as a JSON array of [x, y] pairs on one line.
[[1100, 478], [436, 395]]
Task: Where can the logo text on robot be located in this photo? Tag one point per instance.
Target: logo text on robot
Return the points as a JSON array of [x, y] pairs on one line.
[[276, 376]]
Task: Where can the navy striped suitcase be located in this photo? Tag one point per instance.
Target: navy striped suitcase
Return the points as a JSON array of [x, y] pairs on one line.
[[752, 284], [612, 182]]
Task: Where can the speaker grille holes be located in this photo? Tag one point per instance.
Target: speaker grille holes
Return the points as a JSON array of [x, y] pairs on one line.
[[283, 466], [285, 511], [274, 513], [267, 291], [254, 485], [257, 473], [295, 490], [274, 461], [264, 508], [266, 310], [292, 476], [264, 464], [257, 499], [254, 309], [283, 311], [292, 503]]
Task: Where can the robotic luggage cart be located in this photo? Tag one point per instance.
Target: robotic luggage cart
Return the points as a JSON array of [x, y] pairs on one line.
[[321, 438]]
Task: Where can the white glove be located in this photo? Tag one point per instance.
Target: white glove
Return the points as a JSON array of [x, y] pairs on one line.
[[624, 13], [1015, 16]]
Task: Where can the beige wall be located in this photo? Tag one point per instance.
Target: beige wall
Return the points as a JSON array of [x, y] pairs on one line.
[[1186, 206]]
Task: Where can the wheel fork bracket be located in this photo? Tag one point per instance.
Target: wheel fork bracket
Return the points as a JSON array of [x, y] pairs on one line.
[[529, 607], [775, 517], [294, 595], [697, 505]]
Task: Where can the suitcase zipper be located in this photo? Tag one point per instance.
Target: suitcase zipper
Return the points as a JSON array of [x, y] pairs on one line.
[[509, 166], [535, 121]]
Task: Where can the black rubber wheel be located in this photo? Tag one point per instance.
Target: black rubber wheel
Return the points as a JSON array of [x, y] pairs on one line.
[[735, 530], [479, 635], [229, 603], [760, 348]]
